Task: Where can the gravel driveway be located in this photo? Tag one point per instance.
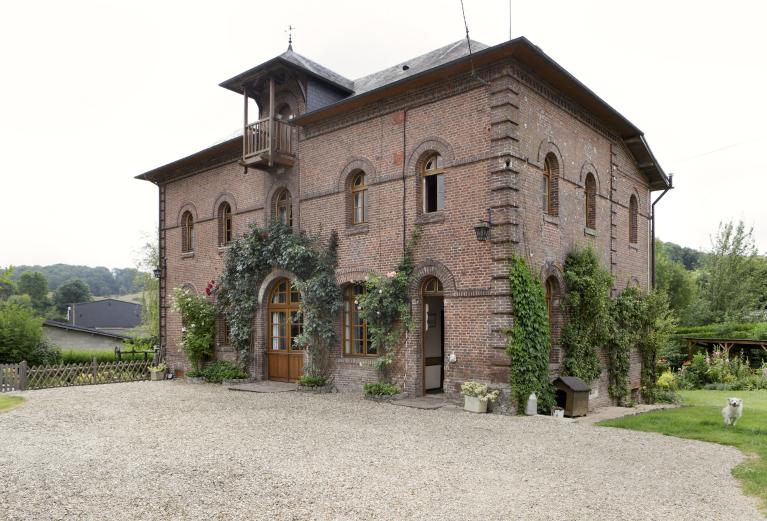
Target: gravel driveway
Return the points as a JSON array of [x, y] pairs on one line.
[[168, 450]]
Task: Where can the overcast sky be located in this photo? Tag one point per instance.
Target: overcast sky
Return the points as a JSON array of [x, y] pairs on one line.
[[94, 93]]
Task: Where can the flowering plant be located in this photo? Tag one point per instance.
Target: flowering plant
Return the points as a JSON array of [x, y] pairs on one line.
[[479, 390], [198, 317], [159, 368]]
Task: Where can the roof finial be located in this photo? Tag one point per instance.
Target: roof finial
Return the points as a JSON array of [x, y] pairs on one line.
[[290, 37]]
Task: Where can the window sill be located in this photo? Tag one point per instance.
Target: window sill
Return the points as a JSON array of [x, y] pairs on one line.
[[633, 246], [187, 255], [431, 217], [591, 232], [357, 229], [551, 219]]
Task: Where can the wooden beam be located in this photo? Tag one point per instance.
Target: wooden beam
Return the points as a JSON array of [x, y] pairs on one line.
[[245, 120], [271, 119]]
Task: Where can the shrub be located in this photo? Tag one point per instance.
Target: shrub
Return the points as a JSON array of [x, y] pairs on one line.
[[667, 381], [312, 380], [194, 373], [72, 356], [380, 389], [198, 316], [219, 371], [21, 333]]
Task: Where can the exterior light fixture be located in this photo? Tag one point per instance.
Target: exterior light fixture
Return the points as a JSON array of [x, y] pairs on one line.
[[482, 228], [157, 272]]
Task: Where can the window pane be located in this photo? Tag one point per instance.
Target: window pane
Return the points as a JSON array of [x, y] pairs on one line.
[[430, 193], [545, 193], [365, 206], [278, 330]]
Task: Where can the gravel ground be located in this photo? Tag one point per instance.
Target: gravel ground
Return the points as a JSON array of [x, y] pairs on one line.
[[168, 450]]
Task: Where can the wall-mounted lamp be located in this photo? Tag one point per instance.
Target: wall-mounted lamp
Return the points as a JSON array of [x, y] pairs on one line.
[[482, 228], [157, 272]]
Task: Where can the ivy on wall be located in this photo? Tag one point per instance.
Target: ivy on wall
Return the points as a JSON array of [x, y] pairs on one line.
[[386, 308], [656, 324], [625, 316], [587, 305], [529, 340], [252, 257]]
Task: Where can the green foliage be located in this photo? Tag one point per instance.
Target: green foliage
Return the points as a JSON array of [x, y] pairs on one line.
[[198, 317], [529, 341], [101, 281], [733, 330], [625, 323], [655, 324], [380, 389], [312, 380], [220, 370], [145, 281], [679, 284], [728, 287], [21, 337], [667, 381], [720, 371], [252, 257], [86, 356], [385, 308], [34, 284], [72, 291], [701, 419], [7, 286], [587, 304]]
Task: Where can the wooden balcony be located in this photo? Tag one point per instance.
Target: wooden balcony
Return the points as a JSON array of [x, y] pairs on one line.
[[268, 142]]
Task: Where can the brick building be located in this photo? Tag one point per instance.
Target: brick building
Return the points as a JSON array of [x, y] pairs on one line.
[[445, 140]]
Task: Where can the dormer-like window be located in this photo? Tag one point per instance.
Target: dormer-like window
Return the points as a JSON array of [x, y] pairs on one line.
[[283, 207], [224, 224]]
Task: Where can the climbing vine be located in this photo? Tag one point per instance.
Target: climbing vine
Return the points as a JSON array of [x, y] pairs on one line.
[[625, 316], [252, 257], [529, 340], [656, 324], [587, 305], [386, 308], [198, 319]]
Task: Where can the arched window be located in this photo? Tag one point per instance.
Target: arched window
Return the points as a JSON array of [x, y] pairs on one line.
[[433, 287], [359, 189], [433, 175], [283, 207], [550, 185], [285, 113], [633, 220], [284, 316], [187, 232], [355, 337], [591, 202], [224, 224]]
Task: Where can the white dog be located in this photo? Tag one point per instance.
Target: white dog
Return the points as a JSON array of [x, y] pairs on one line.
[[732, 411]]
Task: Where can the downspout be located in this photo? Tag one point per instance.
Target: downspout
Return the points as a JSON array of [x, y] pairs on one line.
[[652, 225]]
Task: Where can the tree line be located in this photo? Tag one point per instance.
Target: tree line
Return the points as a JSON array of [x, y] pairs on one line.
[[728, 283], [101, 281]]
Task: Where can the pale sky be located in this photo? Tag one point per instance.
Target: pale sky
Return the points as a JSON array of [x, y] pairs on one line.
[[96, 92]]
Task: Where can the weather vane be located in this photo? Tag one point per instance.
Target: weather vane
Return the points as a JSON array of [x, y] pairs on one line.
[[290, 30]]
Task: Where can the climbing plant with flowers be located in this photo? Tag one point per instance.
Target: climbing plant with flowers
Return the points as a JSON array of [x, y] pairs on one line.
[[198, 318], [386, 309]]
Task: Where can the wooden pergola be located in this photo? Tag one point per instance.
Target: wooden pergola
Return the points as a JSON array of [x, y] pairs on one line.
[[746, 346]]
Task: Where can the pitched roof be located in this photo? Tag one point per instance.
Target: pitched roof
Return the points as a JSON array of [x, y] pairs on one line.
[[89, 330]]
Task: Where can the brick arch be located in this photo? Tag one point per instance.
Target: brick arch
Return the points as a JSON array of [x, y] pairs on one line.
[[589, 168], [287, 97], [272, 193], [351, 276], [354, 164], [550, 269], [420, 152], [186, 207], [268, 283], [547, 147], [432, 268], [188, 286], [224, 197]]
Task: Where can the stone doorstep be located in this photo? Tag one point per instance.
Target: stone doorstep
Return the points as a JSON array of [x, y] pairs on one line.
[[264, 387]]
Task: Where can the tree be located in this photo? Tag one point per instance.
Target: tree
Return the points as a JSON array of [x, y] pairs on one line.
[[728, 287], [7, 286], [21, 337], [675, 281], [70, 292], [149, 286], [34, 284]]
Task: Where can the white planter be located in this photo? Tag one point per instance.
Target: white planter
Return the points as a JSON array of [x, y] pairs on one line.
[[157, 376], [474, 404]]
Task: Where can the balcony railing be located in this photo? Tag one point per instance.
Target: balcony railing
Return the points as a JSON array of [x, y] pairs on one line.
[[259, 141]]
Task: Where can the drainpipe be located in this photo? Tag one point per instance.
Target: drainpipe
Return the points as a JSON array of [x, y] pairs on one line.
[[652, 224], [404, 180]]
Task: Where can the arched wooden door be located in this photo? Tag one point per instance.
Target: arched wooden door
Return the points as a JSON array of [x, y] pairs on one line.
[[285, 361]]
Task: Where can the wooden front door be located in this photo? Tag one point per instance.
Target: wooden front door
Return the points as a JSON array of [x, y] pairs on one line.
[[285, 361]]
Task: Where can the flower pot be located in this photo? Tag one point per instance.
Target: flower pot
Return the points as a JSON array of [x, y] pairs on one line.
[[474, 404], [558, 412], [157, 376]]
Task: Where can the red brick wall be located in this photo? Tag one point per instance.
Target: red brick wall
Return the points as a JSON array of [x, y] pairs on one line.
[[493, 140]]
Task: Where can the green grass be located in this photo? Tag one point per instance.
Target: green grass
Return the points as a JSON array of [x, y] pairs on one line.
[[9, 402], [78, 356], [700, 418]]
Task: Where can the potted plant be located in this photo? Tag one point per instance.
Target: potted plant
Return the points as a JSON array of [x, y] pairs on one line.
[[157, 372], [476, 396]]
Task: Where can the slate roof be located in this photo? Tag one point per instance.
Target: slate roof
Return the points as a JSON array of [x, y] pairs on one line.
[[93, 331], [415, 65], [574, 383]]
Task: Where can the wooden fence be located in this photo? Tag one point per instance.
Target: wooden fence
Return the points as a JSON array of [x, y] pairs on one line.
[[20, 377]]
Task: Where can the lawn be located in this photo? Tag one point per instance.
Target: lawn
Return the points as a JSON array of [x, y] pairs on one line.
[[700, 419], [9, 402]]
